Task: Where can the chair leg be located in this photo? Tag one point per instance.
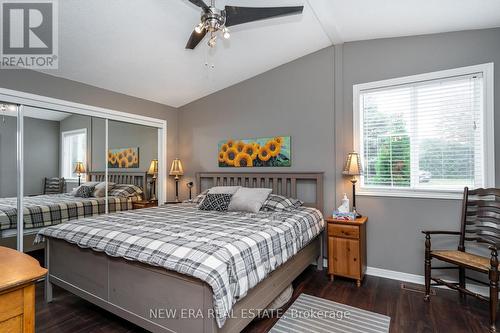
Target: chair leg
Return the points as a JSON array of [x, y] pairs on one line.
[[461, 281], [493, 275], [427, 267]]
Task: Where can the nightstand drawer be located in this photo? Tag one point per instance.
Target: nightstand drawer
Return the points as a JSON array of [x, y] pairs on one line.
[[346, 231]]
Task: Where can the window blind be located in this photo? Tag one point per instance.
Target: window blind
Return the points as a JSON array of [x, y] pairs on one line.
[[423, 135]]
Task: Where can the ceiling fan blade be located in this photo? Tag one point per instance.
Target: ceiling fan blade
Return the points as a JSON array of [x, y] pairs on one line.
[[195, 39], [239, 15], [200, 4]]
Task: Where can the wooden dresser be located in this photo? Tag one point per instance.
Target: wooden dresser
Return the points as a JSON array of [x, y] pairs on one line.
[[347, 248], [18, 273]]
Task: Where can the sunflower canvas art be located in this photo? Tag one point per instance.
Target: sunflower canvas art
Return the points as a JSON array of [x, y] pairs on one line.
[[260, 152], [123, 158]]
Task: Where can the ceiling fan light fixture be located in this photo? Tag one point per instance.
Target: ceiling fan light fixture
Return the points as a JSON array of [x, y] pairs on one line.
[[213, 40], [225, 33], [215, 21], [199, 28]]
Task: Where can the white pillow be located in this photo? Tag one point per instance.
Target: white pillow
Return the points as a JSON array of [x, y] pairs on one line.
[[249, 199], [224, 189]]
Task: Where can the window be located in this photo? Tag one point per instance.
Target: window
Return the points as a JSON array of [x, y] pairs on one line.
[[74, 149], [428, 134]]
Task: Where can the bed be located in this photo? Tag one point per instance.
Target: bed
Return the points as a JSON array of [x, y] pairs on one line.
[[140, 281], [45, 210]]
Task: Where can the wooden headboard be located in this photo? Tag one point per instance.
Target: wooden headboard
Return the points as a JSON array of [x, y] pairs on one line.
[[283, 183], [122, 177]]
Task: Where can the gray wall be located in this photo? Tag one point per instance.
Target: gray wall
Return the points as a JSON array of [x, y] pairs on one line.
[[47, 85], [394, 239], [295, 99], [41, 154]]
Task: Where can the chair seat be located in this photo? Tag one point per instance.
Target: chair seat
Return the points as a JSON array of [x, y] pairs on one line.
[[468, 259]]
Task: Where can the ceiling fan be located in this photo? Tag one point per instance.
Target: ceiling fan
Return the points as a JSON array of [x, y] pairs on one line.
[[214, 20]]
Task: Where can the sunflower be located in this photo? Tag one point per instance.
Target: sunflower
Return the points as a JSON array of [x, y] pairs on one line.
[[230, 143], [279, 140], [240, 145], [230, 156], [130, 158], [273, 147], [123, 163], [136, 160], [112, 159], [224, 148], [119, 156], [251, 150], [257, 146], [264, 154], [243, 160], [221, 157]]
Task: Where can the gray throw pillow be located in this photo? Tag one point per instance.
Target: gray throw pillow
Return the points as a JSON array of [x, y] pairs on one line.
[[224, 189], [249, 199]]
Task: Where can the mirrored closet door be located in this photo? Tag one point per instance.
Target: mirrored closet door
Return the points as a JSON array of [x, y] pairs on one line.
[[8, 174], [67, 163]]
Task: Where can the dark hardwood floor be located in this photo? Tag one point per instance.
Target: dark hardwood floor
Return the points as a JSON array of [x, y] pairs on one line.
[[406, 308]]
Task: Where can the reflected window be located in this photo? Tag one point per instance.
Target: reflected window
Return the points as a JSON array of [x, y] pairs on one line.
[[74, 151]]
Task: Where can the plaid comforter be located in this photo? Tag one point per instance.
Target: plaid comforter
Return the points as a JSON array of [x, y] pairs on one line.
[[47, 210], [231, 251]]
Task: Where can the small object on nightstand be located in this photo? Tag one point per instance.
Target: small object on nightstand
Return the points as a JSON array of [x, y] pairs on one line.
[[347, 248], [190, 187], [144, 204]]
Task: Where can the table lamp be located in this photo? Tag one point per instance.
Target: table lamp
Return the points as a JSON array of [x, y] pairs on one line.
[[153, 171], [352, 167], [79, 169], [176, 171]]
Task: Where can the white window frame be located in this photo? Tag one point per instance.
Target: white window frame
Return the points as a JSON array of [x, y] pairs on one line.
[[488, 138], [63, 134]]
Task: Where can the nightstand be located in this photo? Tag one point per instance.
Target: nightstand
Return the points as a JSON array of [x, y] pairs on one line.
[[144, 204], [347, 248]]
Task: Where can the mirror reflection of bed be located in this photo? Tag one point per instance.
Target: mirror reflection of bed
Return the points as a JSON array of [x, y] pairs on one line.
[[64, 152]]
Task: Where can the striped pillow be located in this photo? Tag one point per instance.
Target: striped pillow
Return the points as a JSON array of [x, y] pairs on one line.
[[125, 191], [276, 202]]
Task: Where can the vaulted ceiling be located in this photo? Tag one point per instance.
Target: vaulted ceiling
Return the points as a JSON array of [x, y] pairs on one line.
[[137, 47]]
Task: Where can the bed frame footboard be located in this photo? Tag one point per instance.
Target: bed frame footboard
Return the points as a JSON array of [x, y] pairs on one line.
[[157, 299]]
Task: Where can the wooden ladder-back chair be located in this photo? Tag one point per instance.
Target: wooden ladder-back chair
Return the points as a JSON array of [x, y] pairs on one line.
[[480, 223]]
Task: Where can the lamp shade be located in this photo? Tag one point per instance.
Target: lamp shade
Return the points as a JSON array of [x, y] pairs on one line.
[[352, 166], [79, 167], [176, 169], [153, 167]]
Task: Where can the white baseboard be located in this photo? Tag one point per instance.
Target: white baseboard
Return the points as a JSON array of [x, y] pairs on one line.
[[413, 278], [419, 279]]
